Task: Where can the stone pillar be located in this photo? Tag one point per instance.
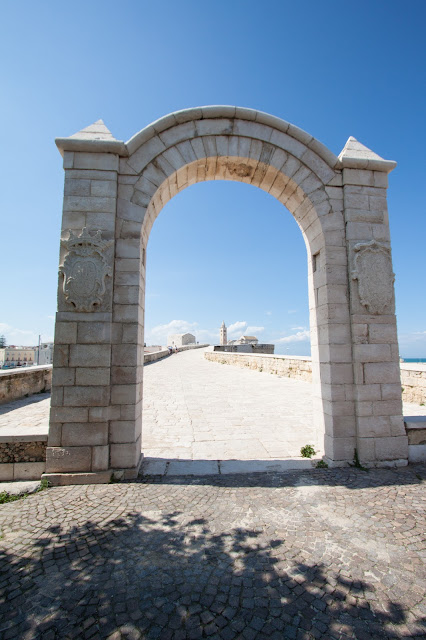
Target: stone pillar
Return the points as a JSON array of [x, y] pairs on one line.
[[82, 410], [381, 437]]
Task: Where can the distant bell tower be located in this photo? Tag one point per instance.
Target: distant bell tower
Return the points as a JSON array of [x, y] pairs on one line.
[[223, 334]]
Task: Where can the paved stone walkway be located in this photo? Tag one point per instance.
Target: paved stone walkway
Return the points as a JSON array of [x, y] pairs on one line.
[[326, 554], [200, 410]]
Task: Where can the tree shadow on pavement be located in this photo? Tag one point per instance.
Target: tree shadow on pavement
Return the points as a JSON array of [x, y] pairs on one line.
[[169, 577]]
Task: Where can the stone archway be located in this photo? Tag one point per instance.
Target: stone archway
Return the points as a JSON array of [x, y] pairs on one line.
[[113, 193]]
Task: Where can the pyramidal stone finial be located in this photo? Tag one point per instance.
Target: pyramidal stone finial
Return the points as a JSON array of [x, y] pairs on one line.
[[96, 131], [95, 138], [355, 155]]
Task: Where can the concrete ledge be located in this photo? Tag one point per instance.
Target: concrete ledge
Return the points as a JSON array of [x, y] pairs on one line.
[[10, 471], [24, 381], [64, 479], [417, 452]]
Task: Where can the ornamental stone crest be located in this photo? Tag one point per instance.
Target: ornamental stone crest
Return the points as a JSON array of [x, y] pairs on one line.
[[373, 270], [85, 269]]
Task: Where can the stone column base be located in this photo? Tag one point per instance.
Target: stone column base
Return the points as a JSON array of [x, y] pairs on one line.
[[97, 477]]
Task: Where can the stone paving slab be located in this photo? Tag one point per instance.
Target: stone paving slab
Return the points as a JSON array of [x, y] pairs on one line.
[[328, 554]]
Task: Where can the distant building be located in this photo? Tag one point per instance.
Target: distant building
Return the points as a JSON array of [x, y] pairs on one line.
[[180, 339], [247, 340], [45, 355], [223, 334], [245, 344], [13, 356]]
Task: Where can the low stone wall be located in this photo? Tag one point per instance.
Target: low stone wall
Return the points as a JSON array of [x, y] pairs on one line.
[[157, 355], [413, 375], [298, 367], [18, 383], [413, 381]]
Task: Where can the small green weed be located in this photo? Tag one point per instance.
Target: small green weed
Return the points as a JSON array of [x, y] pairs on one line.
[[307, 451], [321, 464], [7, 497], [357, 464]]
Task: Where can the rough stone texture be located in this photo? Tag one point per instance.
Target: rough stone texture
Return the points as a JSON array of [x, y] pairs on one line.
[[24, 382], [413, 380], [297, 367], [22, 452], [329, 554]]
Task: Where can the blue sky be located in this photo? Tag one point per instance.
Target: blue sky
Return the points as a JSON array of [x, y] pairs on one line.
[[218, 251]]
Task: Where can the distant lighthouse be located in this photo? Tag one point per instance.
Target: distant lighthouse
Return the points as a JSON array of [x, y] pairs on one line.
[[223, 334]]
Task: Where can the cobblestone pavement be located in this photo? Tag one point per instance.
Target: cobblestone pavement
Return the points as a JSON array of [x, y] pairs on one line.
[[326, 554]]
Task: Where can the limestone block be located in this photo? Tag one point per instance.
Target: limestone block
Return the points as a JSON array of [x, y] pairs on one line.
[[366, 449], [124, 431], [339, 426], [364, 408], [339, 449], [86, 204], [28, 470], [377, 203], [60, 355], [94, 333], [124, 278], [72, 220], [98, 161], [132, 412], [86, 396], [6, 472], [397, 425], [68, 414], [287, 143], [126, 393], [372, 352], [335, 353], [392, 448], [334, 334], [385, 333], [90, 355], [126, 313], [63, 376], [100, 458], [358, 176], [76, 187], [126, 375], [57, 397], [127, 264], [380, 179], [126, 294], [125, 456], [68, 160], [373, 426], [55, 434], [365, 392], [68, 459], [87, 174], [391, 391], [336, 373], [381, 372], [361, 215], [103, 188], [388, 407], [128, 248], [100, 414], [89, 376], [84, 433], [102, 220], [178, 133], [65, 333], [126, 355]]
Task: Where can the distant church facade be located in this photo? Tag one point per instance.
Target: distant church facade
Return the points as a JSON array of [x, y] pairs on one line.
[[244, 344]]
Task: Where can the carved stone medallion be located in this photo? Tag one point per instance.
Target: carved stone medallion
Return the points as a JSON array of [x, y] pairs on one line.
[[85, 269], [373, 270]]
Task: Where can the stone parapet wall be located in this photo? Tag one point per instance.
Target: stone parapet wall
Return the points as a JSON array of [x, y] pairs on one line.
[[413, 376], [413, 380], [23, 451], [19, 383], [163, 353], [297, 367]]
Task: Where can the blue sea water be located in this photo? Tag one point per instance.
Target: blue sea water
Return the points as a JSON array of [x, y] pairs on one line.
[[414, 359]]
